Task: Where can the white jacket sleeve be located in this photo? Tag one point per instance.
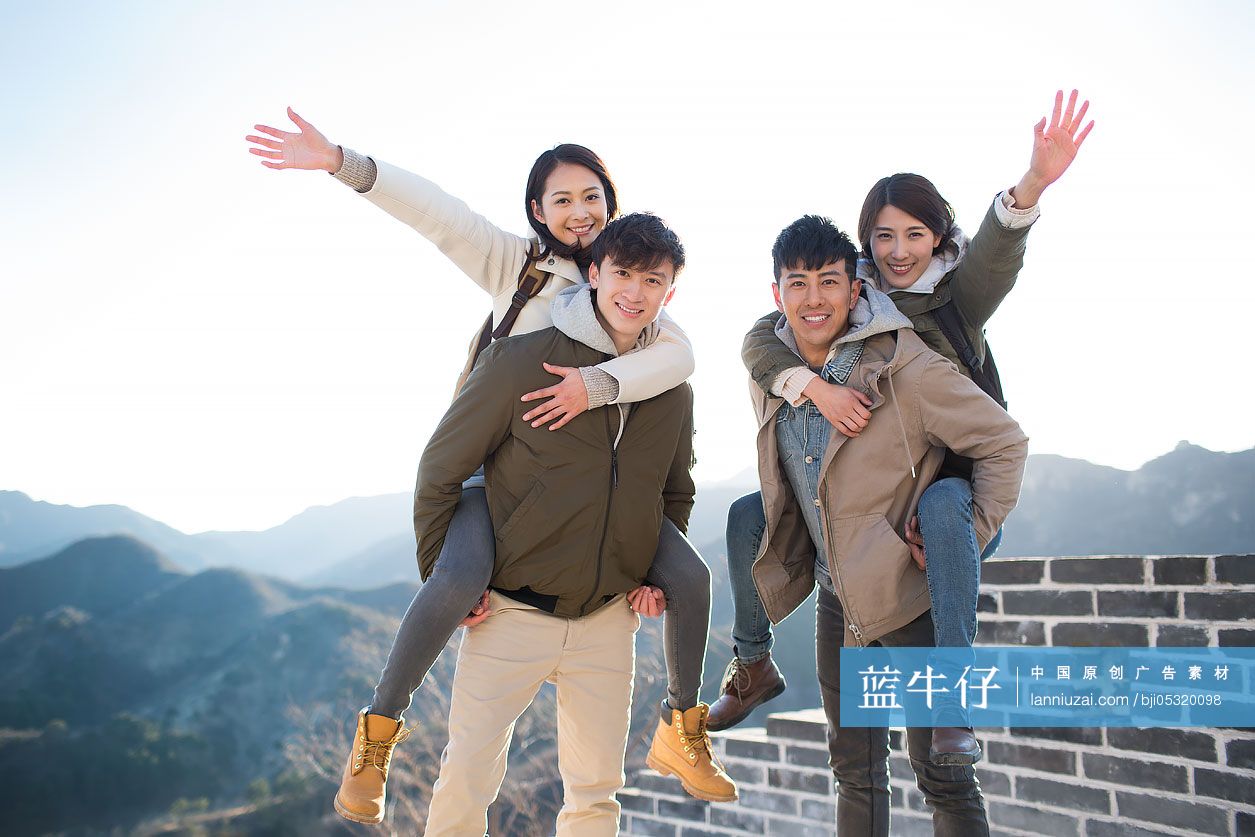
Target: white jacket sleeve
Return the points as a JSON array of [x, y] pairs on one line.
[[665, 364], [489, 255]]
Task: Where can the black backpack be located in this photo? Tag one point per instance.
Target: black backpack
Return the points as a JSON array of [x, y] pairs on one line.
[[985, 375]]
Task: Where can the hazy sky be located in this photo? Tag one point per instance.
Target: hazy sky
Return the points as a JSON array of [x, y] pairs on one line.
[[219, 345]]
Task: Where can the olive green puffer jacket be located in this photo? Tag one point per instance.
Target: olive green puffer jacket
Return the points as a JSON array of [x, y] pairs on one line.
[[576, 511]]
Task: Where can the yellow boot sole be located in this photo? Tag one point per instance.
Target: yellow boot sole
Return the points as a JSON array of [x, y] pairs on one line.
[[659, 766], [349, 815]]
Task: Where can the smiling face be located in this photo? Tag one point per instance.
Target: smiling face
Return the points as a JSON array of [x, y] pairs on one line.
[[573, 205], [628, 299], [902, 246], [817, 304]]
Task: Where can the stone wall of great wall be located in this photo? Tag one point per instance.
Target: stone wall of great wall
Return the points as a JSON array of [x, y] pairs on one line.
[[1058, 781]]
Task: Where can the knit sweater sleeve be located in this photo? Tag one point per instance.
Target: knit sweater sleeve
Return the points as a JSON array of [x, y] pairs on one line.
[[602, 387], [357, 170], [663, 365]]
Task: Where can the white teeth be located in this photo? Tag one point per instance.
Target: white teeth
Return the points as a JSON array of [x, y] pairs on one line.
[[627, 310], [817, 318]]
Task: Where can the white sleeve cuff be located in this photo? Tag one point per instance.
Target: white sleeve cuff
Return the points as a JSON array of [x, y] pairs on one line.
[[1011, 216], [790, 383]]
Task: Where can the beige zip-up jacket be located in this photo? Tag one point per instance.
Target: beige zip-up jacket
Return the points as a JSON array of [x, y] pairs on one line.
[[492, 258], [870, 485]]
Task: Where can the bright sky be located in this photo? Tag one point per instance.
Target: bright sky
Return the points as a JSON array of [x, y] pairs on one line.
[[220, 346]]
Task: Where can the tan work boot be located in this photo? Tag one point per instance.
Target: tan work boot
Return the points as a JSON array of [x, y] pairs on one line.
[[682, 747], [364, 785]]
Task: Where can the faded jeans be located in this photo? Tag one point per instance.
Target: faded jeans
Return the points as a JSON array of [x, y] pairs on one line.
[[945, 522], [953, 567], [462, 573], [859, 756]]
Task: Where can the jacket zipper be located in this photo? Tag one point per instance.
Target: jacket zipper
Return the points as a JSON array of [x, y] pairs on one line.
[[605, 523], [836, 575], [855, 630]]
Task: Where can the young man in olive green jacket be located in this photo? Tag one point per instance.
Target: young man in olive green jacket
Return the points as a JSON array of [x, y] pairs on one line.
[[576, 516]]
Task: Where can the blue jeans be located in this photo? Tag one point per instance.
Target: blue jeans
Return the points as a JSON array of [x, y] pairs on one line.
[[751, 629], [945, 514], [945, 521]]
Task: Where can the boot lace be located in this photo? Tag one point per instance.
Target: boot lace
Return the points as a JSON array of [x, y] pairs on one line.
[[698, 742], [736, 677], [378, 754]]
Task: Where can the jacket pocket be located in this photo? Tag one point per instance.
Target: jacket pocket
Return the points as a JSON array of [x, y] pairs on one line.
[[875, 568], [869, 538], [521, 511]]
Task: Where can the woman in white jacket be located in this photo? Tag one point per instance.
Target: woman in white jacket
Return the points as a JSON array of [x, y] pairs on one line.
[[569, 199]]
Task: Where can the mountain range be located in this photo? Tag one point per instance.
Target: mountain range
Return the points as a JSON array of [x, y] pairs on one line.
[[158, 673], [1189, 500]]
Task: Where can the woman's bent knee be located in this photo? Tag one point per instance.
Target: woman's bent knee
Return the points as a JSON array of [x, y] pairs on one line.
[[746, 518], [677, 563], [949, 496]]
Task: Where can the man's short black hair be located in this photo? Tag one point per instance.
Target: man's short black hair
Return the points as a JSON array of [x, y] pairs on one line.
[[811, 242], [639, 241]]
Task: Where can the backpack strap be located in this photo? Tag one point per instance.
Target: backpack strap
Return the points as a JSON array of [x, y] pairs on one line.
[[984, 374], [531, 281]]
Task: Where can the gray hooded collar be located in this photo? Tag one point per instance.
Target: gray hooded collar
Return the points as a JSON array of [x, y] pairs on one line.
[[873, 314], [575, 316], [942, 263]]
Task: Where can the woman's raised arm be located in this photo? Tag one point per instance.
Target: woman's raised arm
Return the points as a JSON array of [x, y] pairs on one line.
[[489, 255]]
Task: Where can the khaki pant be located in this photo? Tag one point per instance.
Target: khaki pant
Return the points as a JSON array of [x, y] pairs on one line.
[[501, 665]]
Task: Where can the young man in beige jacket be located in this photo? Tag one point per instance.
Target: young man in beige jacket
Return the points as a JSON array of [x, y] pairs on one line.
[[837, 508]]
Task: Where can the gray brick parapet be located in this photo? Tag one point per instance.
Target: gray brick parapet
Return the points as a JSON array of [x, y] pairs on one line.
[[1086, 782]]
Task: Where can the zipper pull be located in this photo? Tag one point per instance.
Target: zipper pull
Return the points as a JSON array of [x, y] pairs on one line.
[[858, 634], [614, 468]]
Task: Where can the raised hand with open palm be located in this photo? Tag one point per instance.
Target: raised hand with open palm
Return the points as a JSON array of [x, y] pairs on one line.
[[306, 149], [1055, 144]]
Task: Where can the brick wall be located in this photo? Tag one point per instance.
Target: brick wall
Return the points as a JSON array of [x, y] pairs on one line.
[[1069, 781]]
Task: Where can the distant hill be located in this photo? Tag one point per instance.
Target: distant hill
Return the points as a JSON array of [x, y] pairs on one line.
[[210, 674], [31, 529], [318, 537], [389, 561], [97, 575], [1190, 500], [296, 549]]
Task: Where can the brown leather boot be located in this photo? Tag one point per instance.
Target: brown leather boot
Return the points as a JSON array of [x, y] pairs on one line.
[[746, 686], [682, 747], [364, 784], [954, 745]]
